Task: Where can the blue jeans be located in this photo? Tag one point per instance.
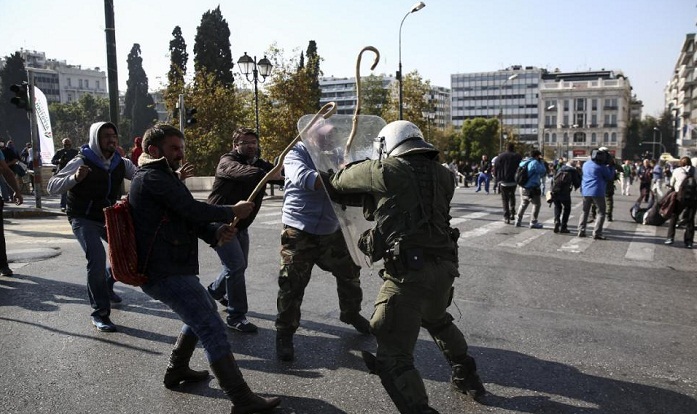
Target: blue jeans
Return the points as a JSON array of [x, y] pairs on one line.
[[191, 302], [233, 256], [485, 178], [89, 234]]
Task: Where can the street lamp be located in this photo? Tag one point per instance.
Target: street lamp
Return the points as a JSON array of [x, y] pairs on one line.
[[429, 117], [416, 7], [660, 135], [510, 78], [250, 66]]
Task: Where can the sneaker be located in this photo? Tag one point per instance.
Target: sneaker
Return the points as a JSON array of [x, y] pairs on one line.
[[6, 271], [688, 245], [535, 225], [103, 324], [599, 237], [223, 301], [114, 298], [357, 321], [581, 234], [242, 326], [668, 241]]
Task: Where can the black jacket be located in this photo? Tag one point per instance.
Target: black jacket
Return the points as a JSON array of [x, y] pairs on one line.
[[164, 210], [506, 165]]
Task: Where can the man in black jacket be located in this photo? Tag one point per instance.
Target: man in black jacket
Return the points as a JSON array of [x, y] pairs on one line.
[[168, 222], [238, 173], [506, 165]]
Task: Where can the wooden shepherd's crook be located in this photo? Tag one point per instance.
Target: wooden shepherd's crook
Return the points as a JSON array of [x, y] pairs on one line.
[[325, 112], [354, 124]]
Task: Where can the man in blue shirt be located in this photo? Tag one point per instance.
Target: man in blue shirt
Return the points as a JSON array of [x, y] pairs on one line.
[[531, 189], [596, 174], [311, 236]]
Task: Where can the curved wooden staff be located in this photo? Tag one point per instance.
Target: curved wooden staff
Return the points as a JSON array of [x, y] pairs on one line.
[[354, 124], [325, 112]]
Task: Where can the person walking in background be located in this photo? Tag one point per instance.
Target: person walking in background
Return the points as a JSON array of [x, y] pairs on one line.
[[565, 180], [420, 257], [168, 222], [60, 160], [312, 236], [657, 178], [484, 174], [684, 182], [645, 175], [596, 174], [9, 177], [93, 181], [236, 176], [506, 165], [136, 150], [531, 191], [626, 177]]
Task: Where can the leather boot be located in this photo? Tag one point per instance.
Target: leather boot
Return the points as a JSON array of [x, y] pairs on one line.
[[233, 384], [465, 378], [178, 369], [284, 346]]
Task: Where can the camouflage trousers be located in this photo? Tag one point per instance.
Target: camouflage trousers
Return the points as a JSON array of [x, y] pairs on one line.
[[405, 303], [300, 252]]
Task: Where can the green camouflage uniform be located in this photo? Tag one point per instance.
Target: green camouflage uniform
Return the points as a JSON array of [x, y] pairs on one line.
[[300, 251], [409, 198]]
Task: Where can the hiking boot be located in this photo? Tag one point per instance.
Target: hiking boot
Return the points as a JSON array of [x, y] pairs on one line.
[[357, 321], [557, 227], [6, 271], [609, 217], [178, 370], [284, 346], [466, 380], [564, 230]]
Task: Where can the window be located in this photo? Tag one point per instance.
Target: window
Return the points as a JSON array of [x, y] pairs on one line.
[[594, 104], [566, 137], [547, 137], [580, 120], [554, 137], [594, 138], [579, 137], [87, 83], [594, 120], [79, 83], [70, 83], [610, 103], [566, 105], [565, 121], [606, 137], [613, 137], [580, 106]]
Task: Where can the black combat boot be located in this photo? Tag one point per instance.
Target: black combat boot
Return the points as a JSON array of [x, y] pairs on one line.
[[466, 380], [284, 346], [178, 369], [233, 384], [557, 227]]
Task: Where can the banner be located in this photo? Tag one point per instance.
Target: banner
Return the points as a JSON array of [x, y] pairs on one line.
[[43, 122]]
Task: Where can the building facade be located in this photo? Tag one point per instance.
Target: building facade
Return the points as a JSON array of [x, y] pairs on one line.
[[583, 110], [511, 95], [679, 98]]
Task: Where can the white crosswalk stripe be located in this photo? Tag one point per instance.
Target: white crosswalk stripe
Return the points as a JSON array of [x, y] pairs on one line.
[[639, 249], [468, 217]]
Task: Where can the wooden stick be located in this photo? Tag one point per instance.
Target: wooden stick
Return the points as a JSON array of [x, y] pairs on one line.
[[357, 111], [325, 112]]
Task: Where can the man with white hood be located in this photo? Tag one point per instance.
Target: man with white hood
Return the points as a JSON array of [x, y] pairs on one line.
[[93, 181]]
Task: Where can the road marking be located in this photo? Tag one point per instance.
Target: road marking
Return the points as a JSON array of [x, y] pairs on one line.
[[642, 247], [481, 231], [580, 244], [526, 237], [468, 217], [275, 213]]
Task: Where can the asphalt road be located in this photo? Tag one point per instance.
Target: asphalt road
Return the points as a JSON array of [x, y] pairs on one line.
[[557, 324]]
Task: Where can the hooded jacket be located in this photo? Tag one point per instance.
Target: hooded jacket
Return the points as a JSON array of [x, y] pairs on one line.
[[101, 187]]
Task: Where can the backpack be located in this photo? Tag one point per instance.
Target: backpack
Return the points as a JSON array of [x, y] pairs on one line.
[[521, 174], [121, 241], [562, 182], [687, 194]]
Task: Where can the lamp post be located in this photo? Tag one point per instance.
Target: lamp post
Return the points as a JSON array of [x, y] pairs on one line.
[[262, 68], [510, 78], [660, 135], [416, 7], [429, 117]]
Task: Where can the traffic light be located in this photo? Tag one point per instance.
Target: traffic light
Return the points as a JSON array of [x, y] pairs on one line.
[[190, 120], [21, 99]]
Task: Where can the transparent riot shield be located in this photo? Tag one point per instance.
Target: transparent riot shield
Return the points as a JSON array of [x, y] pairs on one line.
[[326, 143]]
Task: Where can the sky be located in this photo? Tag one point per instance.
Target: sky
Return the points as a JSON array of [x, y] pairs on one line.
[[641, 38]]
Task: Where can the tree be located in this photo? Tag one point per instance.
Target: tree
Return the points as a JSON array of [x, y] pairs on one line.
[[139, 107], [414, 97], [73, 119], [212, 53], [374, 95], [479, 136], [313, 73], [14, 123], [178, 59]]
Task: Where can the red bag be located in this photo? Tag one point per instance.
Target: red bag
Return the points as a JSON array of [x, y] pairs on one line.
[[121, 240]]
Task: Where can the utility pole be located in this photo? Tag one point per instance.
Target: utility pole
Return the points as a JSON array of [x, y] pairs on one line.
[[112, 72]]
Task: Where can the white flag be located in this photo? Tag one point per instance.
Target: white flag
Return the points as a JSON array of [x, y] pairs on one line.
[[44, 123]]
